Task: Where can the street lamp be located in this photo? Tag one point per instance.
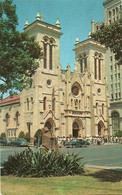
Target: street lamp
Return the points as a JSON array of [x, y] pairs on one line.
[[53, 107]]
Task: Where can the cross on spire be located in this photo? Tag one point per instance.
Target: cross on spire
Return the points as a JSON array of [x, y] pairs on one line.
[[42, 17]]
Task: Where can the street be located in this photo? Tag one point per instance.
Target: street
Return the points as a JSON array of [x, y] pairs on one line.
[[107, 155]]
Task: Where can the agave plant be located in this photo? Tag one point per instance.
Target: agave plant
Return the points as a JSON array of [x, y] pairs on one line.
[[42, 164]]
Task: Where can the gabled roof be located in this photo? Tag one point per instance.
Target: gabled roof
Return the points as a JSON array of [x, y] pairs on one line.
[[10, 99]]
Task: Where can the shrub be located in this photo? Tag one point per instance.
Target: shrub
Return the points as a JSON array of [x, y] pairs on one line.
[[40, 164], [27, 136], [2, 135], [21, 135]]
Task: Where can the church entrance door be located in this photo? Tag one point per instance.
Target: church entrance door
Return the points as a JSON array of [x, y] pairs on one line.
[[75, 130], [100, 128]]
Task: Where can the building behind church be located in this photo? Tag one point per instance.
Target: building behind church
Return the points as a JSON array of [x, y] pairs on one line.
[[69, 103]]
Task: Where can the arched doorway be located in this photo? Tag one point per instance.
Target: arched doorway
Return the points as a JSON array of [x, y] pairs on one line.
[[48, 125], [100, 128], [75, 129]]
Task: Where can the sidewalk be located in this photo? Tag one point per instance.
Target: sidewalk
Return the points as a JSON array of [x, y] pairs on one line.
[[113, 168]]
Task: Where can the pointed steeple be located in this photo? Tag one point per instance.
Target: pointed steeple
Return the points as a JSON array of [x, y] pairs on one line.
[[57, 23], [38, 16], [77, 40], [26, 23]]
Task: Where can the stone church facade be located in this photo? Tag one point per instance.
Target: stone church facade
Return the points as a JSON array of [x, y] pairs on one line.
[[69, 103]]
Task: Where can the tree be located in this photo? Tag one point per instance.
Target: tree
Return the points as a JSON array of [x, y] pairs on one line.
[[18, 51], [21, 134], [118, 133], [110, 36], [2, 135], [27, 136]]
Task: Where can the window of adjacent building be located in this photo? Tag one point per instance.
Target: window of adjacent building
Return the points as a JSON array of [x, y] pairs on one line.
[[111, 86], [7, 118], [115, 120], [115, 85], [111, 68], [17, 118], [116, 95], [119, 85], [109, 14], [44, 103], [119, 94], [117, 13], [112, 96], [111, 78], [111, 58], [113, 15], [119, 75]]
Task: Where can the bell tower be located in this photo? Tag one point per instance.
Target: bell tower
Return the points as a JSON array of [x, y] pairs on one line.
[[48, 37]]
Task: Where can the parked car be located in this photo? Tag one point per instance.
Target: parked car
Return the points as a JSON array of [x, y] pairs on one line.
[[6, 141], [20, 142], [77, 143]]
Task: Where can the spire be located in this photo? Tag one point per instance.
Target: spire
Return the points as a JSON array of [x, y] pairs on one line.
[[26, 23], [92, 25], [77, 40], [57, 23], [38, 16]]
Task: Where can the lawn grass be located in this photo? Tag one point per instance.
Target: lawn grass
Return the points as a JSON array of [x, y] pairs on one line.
[[94, 181]]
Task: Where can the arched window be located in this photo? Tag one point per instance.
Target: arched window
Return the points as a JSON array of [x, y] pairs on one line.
[[109, 14], [113, 15], [45, 55], [27, 104], [102, 108], [95, 67], [79, 104], [83, 62], [81, 66], [71, 102], [99, 69], [44, 103], [115, 121], [31, 103], [50, 58], [96, 108], [7, 117]]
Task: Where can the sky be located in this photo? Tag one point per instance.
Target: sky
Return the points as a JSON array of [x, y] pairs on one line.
[[75, 20]]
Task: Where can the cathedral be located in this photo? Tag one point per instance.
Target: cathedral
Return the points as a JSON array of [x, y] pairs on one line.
[[69, 103]]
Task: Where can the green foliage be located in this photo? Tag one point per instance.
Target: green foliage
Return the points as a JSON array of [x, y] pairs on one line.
[[18, 51], [21, 134], [38, 133], [40, 164], [110, 36], [2, 135], [118, 133], [27, 136]]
